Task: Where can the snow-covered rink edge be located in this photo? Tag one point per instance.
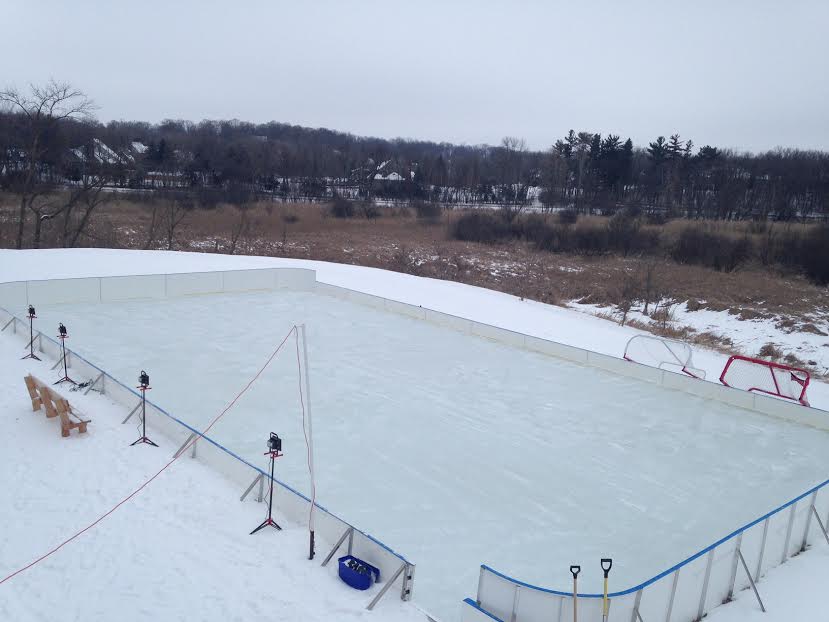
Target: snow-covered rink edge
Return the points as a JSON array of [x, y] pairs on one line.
[[456, 450]]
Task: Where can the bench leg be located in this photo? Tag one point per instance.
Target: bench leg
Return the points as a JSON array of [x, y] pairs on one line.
[[82, 428], [64, 431]]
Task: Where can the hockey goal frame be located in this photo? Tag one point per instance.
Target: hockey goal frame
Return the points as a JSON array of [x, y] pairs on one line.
[[678, 365], [771, 366]]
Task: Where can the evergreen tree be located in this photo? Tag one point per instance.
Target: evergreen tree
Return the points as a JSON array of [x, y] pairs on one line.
[[658, 150], [708, 154], [675, 147]]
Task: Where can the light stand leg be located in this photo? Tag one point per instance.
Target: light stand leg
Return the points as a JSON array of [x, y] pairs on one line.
[[143, 438], [269, 521], [31, 354], [66, 377]]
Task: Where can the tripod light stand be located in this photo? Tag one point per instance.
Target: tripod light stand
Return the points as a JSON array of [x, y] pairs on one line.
[[143, 386], [274, 449], [63, 336], [31, 354]]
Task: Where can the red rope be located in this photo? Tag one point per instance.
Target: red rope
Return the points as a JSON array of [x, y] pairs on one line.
[[160, 471]]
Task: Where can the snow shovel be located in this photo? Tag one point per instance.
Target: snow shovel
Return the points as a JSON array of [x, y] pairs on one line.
[[607, 564], [575, 570]]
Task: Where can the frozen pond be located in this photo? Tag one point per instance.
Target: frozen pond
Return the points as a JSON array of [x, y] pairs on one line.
[[455, 450]]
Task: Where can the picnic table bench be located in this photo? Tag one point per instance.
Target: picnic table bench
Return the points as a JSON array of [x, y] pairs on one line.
[[55, 405]]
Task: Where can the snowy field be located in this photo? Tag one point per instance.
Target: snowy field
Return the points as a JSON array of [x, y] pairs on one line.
[[749, 335], [786, 590], [456, 450]]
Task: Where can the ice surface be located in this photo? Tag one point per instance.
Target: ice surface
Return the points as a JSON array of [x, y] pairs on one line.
[[455, 450], [560, 324]]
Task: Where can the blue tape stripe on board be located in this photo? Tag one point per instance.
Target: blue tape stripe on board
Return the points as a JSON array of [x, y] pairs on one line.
[[222, 447], [672, 569], [475, 605]]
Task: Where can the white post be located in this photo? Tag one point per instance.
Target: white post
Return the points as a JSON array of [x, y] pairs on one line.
[[310, 439]]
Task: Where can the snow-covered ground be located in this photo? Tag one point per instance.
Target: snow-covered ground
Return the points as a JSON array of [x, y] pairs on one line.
[[783, 586], [179, 550], [807, 339], [793, 592]]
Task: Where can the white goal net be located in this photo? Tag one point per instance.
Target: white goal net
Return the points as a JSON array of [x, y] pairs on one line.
[[662, 353], [742, 372]]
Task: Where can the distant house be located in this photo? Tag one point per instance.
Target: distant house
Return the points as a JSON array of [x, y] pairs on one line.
[[97, 151], [385, 173], [166, 179], [15, 160], [393, 176]]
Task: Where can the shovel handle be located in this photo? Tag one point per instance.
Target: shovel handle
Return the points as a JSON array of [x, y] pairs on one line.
[[575, 570], [607, 564]]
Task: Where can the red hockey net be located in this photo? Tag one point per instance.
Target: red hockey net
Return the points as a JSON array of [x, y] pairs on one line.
[[742, 372]]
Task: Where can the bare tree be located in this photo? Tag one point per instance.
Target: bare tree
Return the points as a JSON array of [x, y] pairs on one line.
[[42, 108], [153, 226], [78, 209], [242, 228], [627, 295], [239, 196], [513, 153], [650, 287], [174, 212]]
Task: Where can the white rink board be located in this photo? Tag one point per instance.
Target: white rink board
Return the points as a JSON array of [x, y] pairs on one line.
[[194, 283], [64, 291], [295, 278], [497, 334], [535, 445], [133, 287], [248, 280], [13, 296], [154, 286]]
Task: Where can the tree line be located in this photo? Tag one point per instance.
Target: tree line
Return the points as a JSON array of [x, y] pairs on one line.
[[593, 173], [50, 140]]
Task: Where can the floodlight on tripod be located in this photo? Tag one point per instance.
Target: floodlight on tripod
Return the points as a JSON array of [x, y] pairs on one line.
[[274, 451], [143, 386], [31, 354], [62, 335]]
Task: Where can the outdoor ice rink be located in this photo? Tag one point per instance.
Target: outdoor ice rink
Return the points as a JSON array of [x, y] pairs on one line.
[[455, 450]]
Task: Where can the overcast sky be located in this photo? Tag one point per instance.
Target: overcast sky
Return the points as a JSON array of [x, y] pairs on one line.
[[745, 74]]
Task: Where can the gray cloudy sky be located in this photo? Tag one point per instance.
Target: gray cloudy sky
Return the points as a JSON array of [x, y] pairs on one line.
[[746, 74]]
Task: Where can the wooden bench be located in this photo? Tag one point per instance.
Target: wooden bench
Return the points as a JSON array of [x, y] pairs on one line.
[[66, 424], [55, 406], [31, 385]]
